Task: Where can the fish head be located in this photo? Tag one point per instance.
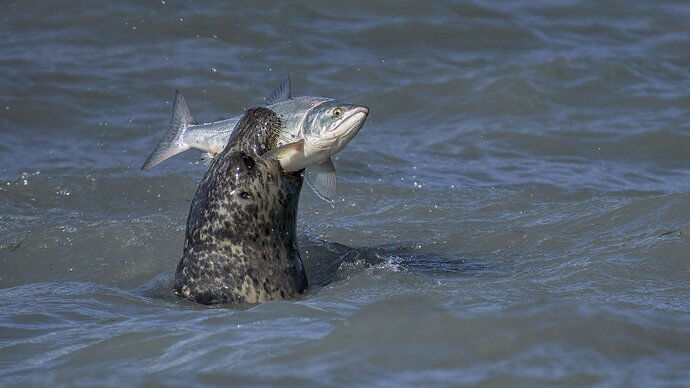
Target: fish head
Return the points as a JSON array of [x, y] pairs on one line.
[[330, 125]]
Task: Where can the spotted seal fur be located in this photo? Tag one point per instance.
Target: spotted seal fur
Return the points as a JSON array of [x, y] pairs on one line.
[[240, 242]]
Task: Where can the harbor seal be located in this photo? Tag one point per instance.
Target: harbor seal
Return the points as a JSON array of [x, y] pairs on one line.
[[240, 242]]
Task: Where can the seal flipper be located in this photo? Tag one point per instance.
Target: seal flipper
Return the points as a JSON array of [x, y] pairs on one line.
[[323, 180], [281, 93], [172, 142]]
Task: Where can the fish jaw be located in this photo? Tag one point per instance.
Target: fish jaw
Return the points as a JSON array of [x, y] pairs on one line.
[[337, 137], [350, 127]]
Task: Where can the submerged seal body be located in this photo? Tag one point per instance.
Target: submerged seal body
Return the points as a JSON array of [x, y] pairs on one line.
[[240, 242]]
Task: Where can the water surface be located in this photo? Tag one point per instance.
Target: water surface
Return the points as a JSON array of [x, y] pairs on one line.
[[515, 210]]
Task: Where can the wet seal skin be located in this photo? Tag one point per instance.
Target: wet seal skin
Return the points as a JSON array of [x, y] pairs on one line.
[[241, 241]]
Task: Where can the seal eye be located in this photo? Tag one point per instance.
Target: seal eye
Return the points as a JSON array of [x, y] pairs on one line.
[[245, 195], [337, 112], [248, 161]]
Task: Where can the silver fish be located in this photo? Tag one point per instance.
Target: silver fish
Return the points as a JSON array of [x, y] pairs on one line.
[[313, 130]]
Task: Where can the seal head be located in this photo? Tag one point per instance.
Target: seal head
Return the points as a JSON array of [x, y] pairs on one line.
[[240, 242]]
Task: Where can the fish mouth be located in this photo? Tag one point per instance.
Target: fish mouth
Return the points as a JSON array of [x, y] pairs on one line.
[[360, 109], [349, 127], [353, 121]]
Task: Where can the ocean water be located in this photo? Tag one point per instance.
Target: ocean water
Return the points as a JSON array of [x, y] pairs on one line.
[[515, 211]]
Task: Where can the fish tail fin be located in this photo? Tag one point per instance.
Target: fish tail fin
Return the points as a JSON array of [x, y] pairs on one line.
[[172, 142]]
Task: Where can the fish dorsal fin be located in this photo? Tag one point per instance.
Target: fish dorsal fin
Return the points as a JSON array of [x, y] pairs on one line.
[[322, 179], [281, 93]]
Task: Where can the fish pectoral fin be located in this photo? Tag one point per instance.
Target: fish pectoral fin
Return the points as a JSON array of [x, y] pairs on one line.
[[281, 93], [285, 152], [323, 180]]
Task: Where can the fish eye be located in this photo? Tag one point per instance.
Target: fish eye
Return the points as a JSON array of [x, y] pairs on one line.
[[337, 112]]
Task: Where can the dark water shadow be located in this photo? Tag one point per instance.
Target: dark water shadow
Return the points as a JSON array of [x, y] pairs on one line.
[[323, 259]]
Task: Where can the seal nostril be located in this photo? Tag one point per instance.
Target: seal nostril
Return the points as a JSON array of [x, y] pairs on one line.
[[248, 161], [245, 195]]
